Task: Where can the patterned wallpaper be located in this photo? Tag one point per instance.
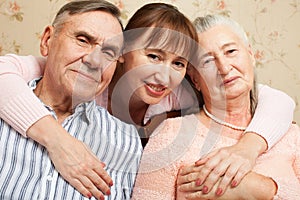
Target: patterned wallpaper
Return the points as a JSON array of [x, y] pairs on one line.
[[272, 25]]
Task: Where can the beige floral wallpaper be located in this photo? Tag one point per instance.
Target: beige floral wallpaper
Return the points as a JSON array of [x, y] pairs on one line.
[[272, 25]]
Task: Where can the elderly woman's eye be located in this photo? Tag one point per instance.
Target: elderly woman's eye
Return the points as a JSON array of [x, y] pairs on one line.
[[232, 52], [207, 62]]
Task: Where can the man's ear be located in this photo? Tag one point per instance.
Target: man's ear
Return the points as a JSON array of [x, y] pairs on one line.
[[45, 40], [121, 59]]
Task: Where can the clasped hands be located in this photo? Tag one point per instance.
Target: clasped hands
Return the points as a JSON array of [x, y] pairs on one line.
[[210, 177]]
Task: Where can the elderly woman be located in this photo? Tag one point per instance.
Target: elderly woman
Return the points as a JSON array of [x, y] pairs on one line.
[[225, 77]]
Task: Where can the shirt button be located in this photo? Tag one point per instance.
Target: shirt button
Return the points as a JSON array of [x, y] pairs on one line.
[[49, 178]]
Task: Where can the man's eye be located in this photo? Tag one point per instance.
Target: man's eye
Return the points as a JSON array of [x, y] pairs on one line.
[[110, 54], [82, 40]]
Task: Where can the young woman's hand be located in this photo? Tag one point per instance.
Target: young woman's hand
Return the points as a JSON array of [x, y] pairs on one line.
[[75, 162]]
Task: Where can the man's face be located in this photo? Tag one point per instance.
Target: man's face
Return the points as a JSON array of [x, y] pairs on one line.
[[82, 54]]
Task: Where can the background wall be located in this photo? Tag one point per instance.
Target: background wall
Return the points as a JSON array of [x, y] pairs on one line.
[[272, 25]]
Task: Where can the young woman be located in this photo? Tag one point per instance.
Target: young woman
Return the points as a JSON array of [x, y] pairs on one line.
[[159, 44]]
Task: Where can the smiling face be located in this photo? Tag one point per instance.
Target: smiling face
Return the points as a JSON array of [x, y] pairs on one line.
[[226, 64], [154, 73], [82, 54]]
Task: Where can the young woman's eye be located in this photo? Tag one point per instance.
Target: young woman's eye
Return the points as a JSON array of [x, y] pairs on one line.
[[153, 57], [180, 64]]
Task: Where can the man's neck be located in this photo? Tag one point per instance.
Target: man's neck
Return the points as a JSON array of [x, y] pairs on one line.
[[61, 104]]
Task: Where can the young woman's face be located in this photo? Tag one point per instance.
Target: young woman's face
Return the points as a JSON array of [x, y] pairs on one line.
[[153, 73]]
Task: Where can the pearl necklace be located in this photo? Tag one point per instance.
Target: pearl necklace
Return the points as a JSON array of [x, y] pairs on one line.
[[219, 121]]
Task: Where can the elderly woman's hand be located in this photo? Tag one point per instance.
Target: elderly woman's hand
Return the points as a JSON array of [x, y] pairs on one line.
[[253, 186], [230, 163]]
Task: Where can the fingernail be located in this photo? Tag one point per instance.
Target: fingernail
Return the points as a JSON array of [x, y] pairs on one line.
[[198, 182], [89, 195], [205, 189], [111, 183], [219, 191], [233, 183], [108, 192]]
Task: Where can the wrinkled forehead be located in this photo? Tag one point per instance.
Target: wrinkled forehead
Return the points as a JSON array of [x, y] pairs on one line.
[[162, 39], [100, 26]]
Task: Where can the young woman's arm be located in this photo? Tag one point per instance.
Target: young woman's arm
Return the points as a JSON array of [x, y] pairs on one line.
[[20, 108], [273, 115]]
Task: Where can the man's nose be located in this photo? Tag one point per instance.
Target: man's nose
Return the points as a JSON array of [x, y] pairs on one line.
[[93, 58]]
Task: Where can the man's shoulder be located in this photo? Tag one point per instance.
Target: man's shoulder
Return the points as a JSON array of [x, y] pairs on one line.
[[106, 116]]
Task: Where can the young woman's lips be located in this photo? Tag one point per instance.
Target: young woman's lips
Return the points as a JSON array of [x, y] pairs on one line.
[[155, 90]]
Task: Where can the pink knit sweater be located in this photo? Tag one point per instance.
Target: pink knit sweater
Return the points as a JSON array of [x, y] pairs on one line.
[[21, 108], [180, 141]]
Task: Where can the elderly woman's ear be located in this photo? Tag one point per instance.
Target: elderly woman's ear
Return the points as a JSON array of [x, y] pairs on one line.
[[250, 50]]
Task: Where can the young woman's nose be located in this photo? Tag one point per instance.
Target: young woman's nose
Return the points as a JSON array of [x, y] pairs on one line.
[[162, 75]]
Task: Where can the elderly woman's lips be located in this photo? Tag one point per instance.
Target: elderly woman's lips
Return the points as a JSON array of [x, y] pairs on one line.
[[229, 80]]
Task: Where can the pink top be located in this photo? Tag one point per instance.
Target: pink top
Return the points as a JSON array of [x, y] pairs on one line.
[[272, 118], [183, 140]]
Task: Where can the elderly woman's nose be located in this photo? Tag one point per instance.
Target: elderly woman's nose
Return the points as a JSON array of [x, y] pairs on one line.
[[223, 65]]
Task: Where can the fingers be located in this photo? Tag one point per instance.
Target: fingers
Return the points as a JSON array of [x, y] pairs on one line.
[[90, 186], [189, 187], [205, 158], [91, 182], [210, 172], [104, 176]]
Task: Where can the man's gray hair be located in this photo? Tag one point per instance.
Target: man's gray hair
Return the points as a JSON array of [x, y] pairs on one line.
[[82, 6]]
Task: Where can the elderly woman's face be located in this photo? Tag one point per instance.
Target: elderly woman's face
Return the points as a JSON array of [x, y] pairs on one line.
[[226, 64]]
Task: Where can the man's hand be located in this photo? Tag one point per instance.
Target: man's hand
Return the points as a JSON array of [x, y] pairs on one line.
[[72, 158]]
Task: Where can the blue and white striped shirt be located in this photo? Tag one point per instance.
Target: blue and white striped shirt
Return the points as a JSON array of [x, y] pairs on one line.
[[26, 171]]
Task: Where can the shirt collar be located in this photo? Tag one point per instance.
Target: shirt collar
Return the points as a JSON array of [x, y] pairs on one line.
[[85, 108]]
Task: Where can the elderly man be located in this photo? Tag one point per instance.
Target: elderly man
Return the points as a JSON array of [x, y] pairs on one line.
[[82, 47]]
